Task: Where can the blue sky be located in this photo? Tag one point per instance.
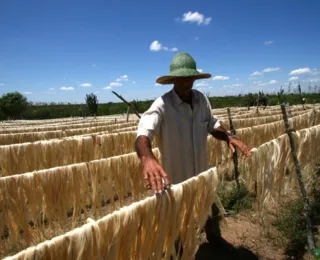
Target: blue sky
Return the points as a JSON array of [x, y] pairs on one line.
[[61, 50]]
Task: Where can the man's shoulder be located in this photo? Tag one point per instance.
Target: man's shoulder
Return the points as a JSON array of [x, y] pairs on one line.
[[164, 99], [198, 94]]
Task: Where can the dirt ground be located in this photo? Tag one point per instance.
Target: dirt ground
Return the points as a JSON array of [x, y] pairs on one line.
[[248, 238]]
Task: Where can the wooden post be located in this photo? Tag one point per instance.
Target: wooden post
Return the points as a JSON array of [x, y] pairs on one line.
[[125, 101], [128, 110], [301, 99], [314, 116], [306, 211], [289, 110], [235, 155]]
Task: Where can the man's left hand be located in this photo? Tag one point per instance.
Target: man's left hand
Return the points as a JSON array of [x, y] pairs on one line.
[[233, 142]]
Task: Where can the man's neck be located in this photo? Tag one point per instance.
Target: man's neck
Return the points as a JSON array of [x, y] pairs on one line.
[[184, 94]]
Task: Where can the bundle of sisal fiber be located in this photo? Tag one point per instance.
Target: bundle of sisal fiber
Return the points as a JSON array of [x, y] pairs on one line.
[[145, 229], [68, 195], [270, 170]]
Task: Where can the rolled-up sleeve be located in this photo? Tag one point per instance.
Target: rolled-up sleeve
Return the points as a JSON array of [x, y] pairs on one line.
[[149, 124], [214, 122]]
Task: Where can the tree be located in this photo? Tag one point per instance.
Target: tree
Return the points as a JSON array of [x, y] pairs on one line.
[[251, 100], [92, 102], [13, 104], [281, 95], [263, 99]]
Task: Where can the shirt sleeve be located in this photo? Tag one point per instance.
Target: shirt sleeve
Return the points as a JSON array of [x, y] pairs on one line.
[[214, 122], [150, 121]]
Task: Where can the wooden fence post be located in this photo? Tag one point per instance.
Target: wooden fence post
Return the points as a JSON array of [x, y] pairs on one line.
[[302, 100], [314, 116], [306, 211], [128, 110], [235, 155]]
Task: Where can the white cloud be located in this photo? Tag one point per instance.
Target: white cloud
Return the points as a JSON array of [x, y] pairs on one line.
[[115, 84], [293, 78], [157, 84], [133, 82], [107, 87], [269, 42], [220, 78], [27, 93], [260, 73], [196, 18], [202, 84], [257, 82], [300, 71], [86, 85], [256, 73], [157, 46], [1, 84], [314, 80], [271, 69], [200, 70], [262, 83], [273, 82], [232, 86], [316, 71], [67, 88], [122, 78]]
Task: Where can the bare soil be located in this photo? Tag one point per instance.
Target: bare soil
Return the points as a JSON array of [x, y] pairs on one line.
[[248, 236]]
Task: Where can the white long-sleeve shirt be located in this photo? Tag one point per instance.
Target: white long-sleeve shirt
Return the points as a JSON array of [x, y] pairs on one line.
[[182, 133]]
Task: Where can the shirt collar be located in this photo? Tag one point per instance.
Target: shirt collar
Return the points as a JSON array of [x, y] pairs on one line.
[[176, 100]]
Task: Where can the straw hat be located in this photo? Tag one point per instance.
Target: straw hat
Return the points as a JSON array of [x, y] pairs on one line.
[[181, 66]]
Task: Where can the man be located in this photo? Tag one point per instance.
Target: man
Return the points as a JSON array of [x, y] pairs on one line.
[[181, 119]]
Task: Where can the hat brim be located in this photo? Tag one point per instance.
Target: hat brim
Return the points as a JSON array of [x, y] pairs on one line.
[[182, 73]]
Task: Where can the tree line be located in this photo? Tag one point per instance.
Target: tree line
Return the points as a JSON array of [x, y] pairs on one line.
[[14, 105]]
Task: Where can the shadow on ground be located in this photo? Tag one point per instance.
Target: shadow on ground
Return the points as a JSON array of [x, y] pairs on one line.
[[208, 251]]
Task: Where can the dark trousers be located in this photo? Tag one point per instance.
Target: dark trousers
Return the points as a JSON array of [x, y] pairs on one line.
[[212, 230]]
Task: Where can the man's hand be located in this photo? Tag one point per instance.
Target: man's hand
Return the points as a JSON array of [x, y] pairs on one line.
[[221, 134], [234, 142], [154, 175]]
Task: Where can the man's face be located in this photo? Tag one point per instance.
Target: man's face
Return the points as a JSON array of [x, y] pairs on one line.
[[184, 83]]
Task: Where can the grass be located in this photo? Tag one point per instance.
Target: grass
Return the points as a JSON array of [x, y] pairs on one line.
[[235, 201], [291, 224]]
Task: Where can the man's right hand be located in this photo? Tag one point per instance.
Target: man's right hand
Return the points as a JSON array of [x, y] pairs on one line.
[[153, 174]]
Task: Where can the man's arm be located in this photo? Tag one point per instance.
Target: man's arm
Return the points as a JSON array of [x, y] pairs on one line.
[[217, 131], [153, 173], [149, 126], [143, 148], [221, 134]]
